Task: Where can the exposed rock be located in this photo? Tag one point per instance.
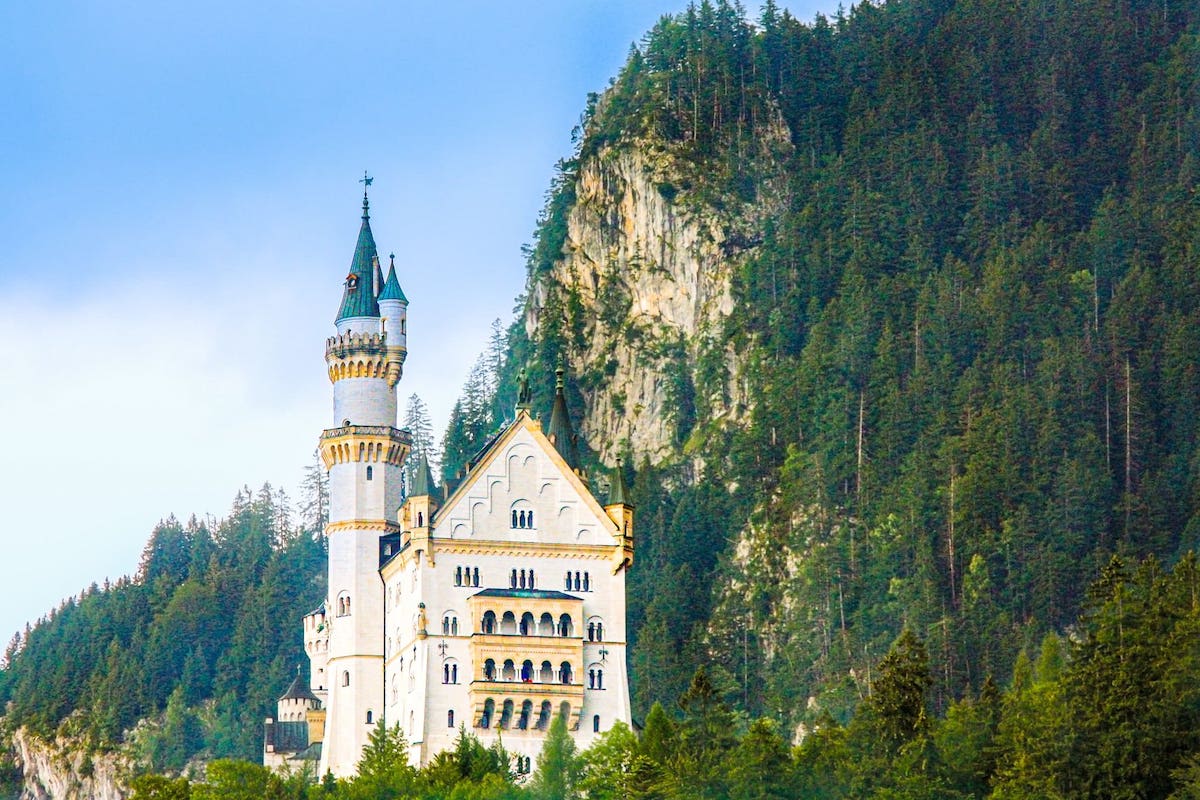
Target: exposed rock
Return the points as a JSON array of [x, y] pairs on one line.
[[645, 281], [65, 770]]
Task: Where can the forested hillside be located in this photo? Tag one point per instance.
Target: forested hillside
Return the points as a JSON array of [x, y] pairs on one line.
[[200, 642], [942, 352]]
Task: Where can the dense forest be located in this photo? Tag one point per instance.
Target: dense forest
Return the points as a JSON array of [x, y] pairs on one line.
[[968, 389], [972, 336]]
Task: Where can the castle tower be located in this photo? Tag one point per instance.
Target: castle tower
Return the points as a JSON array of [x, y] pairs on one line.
[[364, 453]]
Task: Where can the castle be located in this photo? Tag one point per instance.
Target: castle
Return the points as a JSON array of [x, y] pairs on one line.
[[489, 605]]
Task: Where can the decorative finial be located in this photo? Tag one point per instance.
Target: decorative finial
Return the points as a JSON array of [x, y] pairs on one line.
[[558, 377], [366, 180], [392, 259]]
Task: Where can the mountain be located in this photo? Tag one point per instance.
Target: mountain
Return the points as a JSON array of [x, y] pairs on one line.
[[895, 314]]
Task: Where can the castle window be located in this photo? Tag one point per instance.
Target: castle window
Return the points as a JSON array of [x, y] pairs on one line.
[[595, 630], [521, 515], [530, 579], [343, 604], [450, 718], [508, 623], [568, 583], [475, 581], [565, 628], [527, 624], [546, 674], [506, 714], [526, 713], [345, 677], [527, 671], [420, 519], [370, 473], [454, 673], [513, 580], [544, 716], [450, 624], [586, 585], [596, 723], [489, 622], [546, 625], [509, 673], [489, 708], [489, 670], [370, 717], [458, 576], [522, 579], [564, 672], [595, 677]]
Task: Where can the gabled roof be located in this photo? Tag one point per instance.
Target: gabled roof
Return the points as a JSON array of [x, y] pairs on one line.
[[358, 300], [501, 440]]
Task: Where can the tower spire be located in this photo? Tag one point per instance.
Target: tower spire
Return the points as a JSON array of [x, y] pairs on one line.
[[358, 299], [559, 432]]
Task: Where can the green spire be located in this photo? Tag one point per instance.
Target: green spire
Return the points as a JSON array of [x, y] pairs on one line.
[[359, 297], [423, 479], [618, 492], [559, 432], [391, 287]]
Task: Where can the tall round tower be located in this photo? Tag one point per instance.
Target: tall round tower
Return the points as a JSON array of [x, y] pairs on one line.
[[364, 453]]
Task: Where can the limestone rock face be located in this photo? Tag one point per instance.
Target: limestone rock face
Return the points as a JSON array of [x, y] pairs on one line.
[[63, 770], [643, 287]]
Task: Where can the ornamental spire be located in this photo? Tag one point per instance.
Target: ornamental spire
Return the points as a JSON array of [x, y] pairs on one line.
[[358, 299], [559, 431]]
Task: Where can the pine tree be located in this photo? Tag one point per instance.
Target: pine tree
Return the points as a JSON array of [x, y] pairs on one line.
[[559, 767]]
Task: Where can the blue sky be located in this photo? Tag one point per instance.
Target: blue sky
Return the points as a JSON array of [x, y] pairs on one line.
[[178, 207]]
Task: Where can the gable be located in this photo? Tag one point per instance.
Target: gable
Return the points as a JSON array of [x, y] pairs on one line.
[[522, 475]]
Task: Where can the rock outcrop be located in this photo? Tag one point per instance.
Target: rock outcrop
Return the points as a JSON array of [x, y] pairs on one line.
[[65, 770]]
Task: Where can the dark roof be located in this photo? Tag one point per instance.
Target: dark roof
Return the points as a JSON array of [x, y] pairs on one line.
[[423, 482], [288, 737], [359, 298], [618, 492], [298, 690], [386, 554], [527, 594], [559, 432]]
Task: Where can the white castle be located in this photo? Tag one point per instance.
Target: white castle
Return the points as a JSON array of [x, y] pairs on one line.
[[491, 605]]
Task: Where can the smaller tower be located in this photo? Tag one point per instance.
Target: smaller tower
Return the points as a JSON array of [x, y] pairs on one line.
[[393, 313], [620, 510], [416, 515], [560, 433]]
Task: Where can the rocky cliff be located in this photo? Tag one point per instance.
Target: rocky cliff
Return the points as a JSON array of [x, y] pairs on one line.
[[65, 770], [644, 285]]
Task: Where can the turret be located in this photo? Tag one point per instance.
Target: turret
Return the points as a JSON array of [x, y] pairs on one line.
[[393, 312], [620, 510], [416, 515]]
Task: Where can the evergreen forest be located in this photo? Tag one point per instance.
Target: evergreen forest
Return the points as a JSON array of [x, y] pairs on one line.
[[930, 537]]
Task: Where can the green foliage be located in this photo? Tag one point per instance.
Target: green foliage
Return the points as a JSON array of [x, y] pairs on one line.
[[200, 642], [558, 765]]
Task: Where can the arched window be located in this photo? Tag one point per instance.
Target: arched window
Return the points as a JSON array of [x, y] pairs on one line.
[[521, 519], [489, 670], [345, 677], [420, 519], [343, 604], [508, 623], [595, 629], [586, 584], [527, 624], [544, 716], [513, 580], [450, 718], [546, 674], [546, 625], [450, 624], [370, 476], [565, 628], [596, 723], [527, 671], [522, 579], [370, 714], [564, 672], [591, 679], [446, 673], [568, 581], [489, 622], [506, 714], [526, 713], [530, 579], [521, 515], [529, 519], [489, 708], [595, 676], [475, 582], [509, 673], [578, 583], [458, 576], [454, 673], [514, 518]]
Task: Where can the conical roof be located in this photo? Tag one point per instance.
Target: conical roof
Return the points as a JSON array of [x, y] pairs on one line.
[[359, 298], [423, 482], [618, 492], [391, 287], [559, 432], [298, 690]]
